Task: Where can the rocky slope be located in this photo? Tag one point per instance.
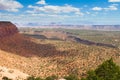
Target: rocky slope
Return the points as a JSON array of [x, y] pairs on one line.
[[9, 36]]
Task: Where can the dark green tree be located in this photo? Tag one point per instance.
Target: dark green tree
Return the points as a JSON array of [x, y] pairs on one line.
[[92, 76], [108, 70]]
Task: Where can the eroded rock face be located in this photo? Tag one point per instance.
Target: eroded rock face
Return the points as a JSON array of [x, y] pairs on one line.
[[7, 29]]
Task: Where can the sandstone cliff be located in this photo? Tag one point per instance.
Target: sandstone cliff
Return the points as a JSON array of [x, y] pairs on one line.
[[7, 29]]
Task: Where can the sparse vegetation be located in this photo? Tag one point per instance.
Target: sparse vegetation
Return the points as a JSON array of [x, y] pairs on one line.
[[33, 78], [108, 70], [53, 77], [71, 77], [51, 55]]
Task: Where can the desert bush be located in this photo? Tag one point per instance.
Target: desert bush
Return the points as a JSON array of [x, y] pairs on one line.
[[34, 78], [31, 78], [71, 77], [6, 78]]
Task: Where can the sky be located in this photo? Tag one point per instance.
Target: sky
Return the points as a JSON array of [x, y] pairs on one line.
[[70, 12]]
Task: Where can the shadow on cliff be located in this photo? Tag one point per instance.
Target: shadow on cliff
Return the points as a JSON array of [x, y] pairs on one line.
[[20, 45]]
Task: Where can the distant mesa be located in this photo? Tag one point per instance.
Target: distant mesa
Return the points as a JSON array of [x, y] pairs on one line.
[[87, 42], [7, 29]]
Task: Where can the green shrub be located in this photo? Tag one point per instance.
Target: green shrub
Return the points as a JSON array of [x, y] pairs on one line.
[[53, 77], [72, 77], [6, 78], [33, 78], [38, 78]]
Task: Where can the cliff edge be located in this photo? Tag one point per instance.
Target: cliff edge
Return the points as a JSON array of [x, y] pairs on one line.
[[7, 29]]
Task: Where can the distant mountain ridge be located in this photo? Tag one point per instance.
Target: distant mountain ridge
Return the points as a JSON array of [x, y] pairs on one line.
[[86, 27], [106, 27]]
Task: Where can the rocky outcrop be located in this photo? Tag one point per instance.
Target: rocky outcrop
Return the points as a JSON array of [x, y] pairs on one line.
[[13, 74], [7, 29]]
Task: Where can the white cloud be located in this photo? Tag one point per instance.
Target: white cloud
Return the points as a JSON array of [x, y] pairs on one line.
[[97, 8], [114, 0], [41, 2], [87, 12], [51, 9], [112, 7], [10, 5]]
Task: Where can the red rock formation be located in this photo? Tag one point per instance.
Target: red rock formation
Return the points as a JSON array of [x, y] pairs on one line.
[[7, 29]]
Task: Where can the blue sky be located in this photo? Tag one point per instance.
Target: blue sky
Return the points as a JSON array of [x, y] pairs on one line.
[[105, 12]]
